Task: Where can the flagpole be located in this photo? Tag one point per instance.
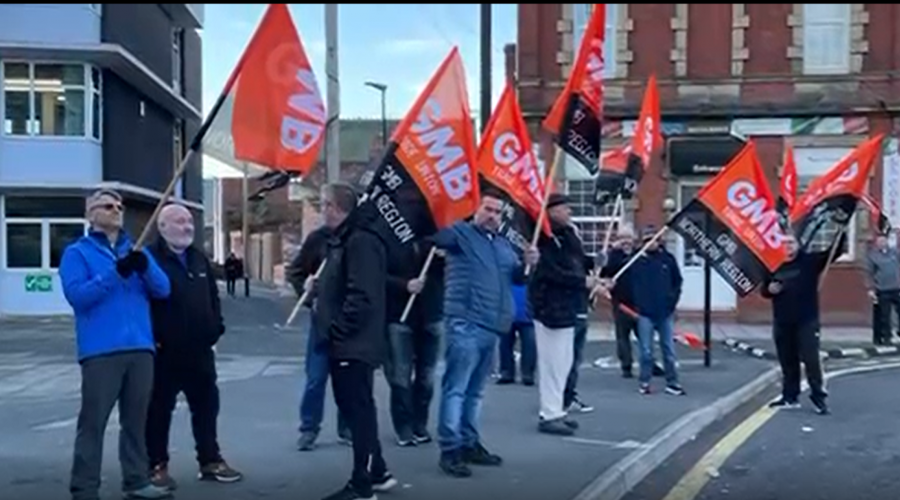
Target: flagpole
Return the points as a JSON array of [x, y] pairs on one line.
[[245, 225], [557, 157], [333, 87]]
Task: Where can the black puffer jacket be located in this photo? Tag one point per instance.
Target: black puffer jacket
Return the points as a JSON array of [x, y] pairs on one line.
[[557, 287], [350, 303]]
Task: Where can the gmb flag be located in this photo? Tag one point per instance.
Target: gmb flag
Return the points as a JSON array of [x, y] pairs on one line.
[[506, 162], [428, 178], [733, 224]]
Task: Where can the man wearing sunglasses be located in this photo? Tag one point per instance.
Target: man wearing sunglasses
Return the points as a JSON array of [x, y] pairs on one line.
[[109, 286]]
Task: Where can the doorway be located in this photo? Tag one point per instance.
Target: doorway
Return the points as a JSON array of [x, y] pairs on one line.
[[690, 261]]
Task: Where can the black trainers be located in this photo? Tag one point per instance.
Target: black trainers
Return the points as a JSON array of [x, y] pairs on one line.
[[571, 424], [821, 406], [422, 437], [345, 438], [478, 455], [644, 389], [556, 427], [453, 466], [220, 472], [579, 406], [505, 381], [383, 482], [627, 372], [350, 493], [787, 404], [406, 439], [307, 441], [675, 390]]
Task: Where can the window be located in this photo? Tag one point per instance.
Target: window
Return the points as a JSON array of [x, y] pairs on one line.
[[178, 155], [580, 17], [826, 38], [38, 230], [51, 100], [812, 163], [177, 59], [592, 221]]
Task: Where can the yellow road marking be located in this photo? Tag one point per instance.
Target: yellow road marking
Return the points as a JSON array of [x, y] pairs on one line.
[[693, 482]]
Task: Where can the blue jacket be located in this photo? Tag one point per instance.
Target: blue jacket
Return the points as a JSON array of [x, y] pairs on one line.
[[479, 272], [523, 307], [112, 314], [654, 284]]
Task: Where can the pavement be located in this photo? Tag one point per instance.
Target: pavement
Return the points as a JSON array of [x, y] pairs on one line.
[[787, 454], [260, 368]]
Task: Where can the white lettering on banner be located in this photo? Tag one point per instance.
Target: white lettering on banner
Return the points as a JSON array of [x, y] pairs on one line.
[[834, 186], [595, 64], [448, 157], [303, 131], [579, 144], [516, 161], [391, 178], [720, 258], [394, 218], [647, 139], [742, 196]]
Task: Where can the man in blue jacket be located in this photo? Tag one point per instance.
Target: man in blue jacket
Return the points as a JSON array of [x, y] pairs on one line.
[[655, 283], [109, 286], [523, 329], [478, 307]]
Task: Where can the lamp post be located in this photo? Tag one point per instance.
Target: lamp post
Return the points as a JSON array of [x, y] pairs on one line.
[[383, 89]]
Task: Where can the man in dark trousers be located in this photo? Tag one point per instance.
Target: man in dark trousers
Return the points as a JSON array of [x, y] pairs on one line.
[[794, 291], [350, 317], [234, 269], [312, 403], [186, 326], [413, 344]]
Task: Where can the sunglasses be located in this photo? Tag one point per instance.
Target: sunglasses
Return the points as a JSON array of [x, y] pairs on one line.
[[109, 207]]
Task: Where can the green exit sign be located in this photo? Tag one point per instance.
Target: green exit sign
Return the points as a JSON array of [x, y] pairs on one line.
[[38, 283]]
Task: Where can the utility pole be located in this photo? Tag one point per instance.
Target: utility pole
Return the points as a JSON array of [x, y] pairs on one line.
[[485, 65], [333, 125]]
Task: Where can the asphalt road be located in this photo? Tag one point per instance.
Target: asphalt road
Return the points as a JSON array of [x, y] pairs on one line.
[[852, 454]]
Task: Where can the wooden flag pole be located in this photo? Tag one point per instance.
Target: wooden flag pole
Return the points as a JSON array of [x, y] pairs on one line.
[[831, 255], [422, 276], [617, 206], [659, 234], [164, 199], [296, 310], [557, 157]]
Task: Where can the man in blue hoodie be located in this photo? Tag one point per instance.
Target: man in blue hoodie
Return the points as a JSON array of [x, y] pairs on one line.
[[480, 268], [523, 329], [654, 281], [109, 286]]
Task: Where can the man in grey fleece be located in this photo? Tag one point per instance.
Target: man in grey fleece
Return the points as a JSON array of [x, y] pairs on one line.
[[883, 265]]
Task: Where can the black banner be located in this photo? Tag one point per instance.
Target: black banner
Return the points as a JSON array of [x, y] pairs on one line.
[[837, 209], [716, 242], [611, 182], [579, 133], [516, 224], [405, 213]]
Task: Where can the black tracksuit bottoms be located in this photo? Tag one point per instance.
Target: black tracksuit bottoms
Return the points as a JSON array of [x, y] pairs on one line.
[[799, 343]]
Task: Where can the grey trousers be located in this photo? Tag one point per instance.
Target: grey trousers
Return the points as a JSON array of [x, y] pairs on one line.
[[127, 379]]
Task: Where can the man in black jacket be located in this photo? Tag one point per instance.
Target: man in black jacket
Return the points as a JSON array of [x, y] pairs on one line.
[[794, 291], [414, 344], [186, 326], [559, 281], [350, 317], [312, 403]]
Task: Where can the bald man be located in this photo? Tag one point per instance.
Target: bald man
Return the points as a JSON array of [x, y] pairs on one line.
[[186, 326]]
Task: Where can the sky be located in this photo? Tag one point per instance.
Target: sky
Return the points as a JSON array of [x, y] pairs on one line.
[[397, 45]]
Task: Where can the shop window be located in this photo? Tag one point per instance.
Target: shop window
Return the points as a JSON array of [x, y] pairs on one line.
[[24, 244]]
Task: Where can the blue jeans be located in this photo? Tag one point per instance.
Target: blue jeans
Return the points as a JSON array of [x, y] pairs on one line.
[[665, 328], [312, 404], [469, 358], [528, 362]]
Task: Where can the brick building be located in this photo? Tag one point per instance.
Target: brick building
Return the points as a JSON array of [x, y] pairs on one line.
[[821, 77]]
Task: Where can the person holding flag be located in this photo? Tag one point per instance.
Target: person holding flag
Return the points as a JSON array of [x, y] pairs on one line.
[[556, 289]]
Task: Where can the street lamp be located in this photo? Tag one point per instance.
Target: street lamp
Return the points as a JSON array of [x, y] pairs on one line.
[[383, 89]]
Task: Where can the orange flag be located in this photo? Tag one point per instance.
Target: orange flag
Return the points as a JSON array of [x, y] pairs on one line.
[[506, 161], [833, 196], [577, 115], [428, 177], [622, 169], [733, 223], [270, 114]]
